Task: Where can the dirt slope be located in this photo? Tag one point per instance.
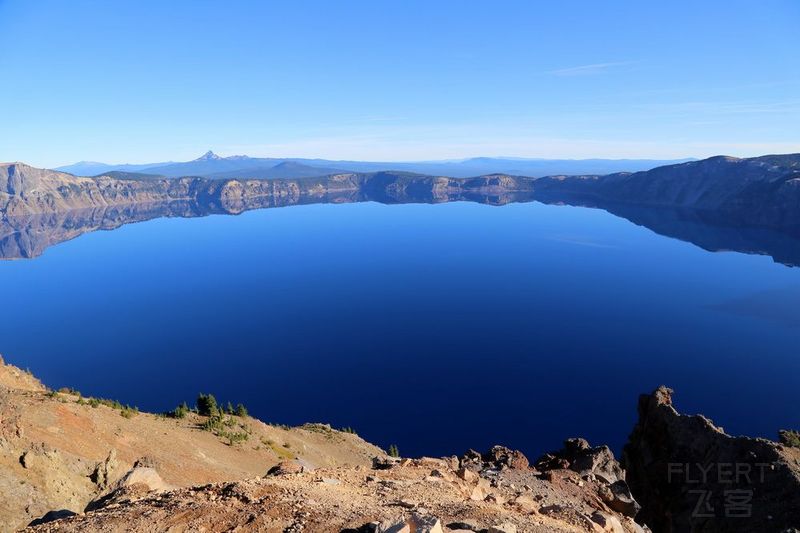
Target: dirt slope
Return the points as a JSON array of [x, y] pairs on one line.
[[58, 454]]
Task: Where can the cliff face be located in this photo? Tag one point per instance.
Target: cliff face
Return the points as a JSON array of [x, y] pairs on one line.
[[762, 191], [25, 190], [750, 205], [689, 475]]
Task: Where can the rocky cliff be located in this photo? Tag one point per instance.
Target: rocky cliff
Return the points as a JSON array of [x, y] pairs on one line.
[[40, 208], [759, 191], [691, 476], [68, 464], [26, 191]]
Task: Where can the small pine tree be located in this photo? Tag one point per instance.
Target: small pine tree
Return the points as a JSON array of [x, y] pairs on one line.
[[207, 405], [181, 411], [241, 410], [393, 451]]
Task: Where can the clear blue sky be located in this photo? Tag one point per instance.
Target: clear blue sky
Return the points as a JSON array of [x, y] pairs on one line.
[[145, 81]]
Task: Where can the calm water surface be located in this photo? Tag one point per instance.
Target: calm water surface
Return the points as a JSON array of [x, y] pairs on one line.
[[435, 327]]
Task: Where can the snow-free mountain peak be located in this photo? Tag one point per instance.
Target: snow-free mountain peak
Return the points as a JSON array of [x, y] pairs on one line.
[[208, 156]]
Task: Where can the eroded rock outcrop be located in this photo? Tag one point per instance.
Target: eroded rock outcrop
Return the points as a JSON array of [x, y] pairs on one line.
[[593, 463], [691, 476], [142, 480]]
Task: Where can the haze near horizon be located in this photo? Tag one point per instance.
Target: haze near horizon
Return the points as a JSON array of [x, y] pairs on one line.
[[141, 82]]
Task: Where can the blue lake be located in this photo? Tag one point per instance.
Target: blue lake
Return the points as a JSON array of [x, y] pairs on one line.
[[435, 327]]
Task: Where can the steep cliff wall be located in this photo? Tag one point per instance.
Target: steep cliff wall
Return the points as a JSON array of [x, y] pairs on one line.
[[25, 190], [763, 191]]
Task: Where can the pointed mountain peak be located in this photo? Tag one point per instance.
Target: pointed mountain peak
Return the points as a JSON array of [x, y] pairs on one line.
[[208, 156]]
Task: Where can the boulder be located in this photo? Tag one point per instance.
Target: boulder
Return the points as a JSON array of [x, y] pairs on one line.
[[385, 463], [503, 457], [285, 468], [467, 475], [471, 458], [136, 484], [415, 523], [606, 522], [579, 456], [477, 494], [525, 504], [619, 498]]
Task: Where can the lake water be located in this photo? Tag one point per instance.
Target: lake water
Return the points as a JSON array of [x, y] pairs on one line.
[[435, 327]]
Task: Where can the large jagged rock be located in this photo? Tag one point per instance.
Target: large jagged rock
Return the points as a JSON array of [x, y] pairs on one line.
[[691, 476], [140, 481], [579, 456], [595, 462], [496, 458], [104, 472]]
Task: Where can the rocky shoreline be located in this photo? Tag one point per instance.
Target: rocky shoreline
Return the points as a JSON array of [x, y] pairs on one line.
[[27, 191], [746, 205]]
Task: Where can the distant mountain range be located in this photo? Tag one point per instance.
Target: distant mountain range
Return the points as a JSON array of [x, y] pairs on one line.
[[210, 165], [751, 205], [759, 191]]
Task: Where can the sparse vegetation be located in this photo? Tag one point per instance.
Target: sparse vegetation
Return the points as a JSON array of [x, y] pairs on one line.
[[281, 452], [181, 411], [348, 429], [325, 429], [393, 451], [207, 405], [789, 437], [128, 412], [226, 427]]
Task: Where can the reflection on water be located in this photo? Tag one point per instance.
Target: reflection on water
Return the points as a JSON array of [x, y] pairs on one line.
[[778, 305], [434, 327], [29, 237], [708, 230]]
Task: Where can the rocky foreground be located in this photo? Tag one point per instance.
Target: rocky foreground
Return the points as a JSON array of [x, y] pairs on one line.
[[66, 465]]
